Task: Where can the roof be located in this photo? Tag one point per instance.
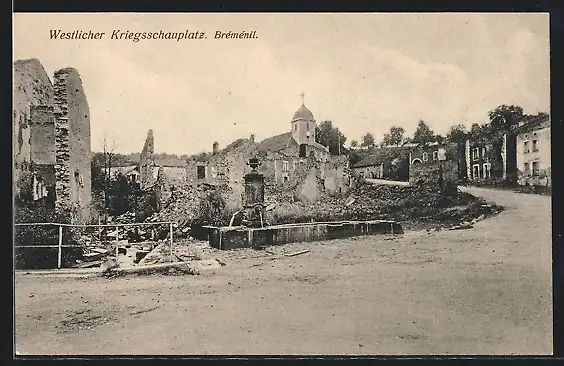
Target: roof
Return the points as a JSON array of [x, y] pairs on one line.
[[277, 143], [320, 146], [380, 155], [533, 123], [303, 113], [370, 161]]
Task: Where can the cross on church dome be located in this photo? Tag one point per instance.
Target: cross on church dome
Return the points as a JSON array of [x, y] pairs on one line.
[[303, 112]]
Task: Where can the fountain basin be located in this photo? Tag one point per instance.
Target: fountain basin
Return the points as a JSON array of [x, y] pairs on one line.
[[233, 237]]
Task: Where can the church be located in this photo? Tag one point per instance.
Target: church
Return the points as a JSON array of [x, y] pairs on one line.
[[286, 159], [299, 142]]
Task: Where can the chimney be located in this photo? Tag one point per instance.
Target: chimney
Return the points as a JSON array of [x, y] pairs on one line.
[[215, 147]]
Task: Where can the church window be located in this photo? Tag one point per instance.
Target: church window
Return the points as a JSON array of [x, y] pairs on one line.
[[307, 126], [425, 156], [285, 167]]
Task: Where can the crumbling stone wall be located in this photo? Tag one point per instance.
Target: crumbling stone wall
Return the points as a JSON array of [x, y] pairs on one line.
[[429, 174], [147, 161], [73, 146], [226, 167], [32, 87], [52, 138], [310, 188], [42, 135], [337, 175]]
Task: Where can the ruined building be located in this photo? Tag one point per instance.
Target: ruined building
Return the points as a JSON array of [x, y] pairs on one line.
[[147, 168], [51, 140], [290, 161]]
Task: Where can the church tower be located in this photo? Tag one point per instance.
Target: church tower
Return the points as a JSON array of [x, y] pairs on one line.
[[303, 125]]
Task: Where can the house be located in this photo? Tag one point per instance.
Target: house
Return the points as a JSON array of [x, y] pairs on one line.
[[480, 167], [387, 162], [371, 167], [283, 158], [51, 140], [433, 163], [131, 172], [478, 163], [425, 153], [533, 152]]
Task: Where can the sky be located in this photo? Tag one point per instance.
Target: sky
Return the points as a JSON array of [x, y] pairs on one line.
[[364, 72]]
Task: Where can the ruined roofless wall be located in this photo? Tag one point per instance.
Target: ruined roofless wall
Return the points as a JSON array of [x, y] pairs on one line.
[[147, 161], [73, 145], [32, 88]]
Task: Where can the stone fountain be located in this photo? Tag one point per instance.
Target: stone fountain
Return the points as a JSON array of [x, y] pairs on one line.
[[253, 200], [255, 233]]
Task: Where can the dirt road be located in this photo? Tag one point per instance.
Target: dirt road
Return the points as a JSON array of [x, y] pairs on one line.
[[485, 290]]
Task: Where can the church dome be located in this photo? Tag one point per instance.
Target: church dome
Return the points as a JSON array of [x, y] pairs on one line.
[[303, 113]]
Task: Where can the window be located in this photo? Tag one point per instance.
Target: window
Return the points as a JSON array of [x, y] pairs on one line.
[[526, 147], [307, 126], [285, 178], [535, 145], [435, 155], [425, 156], [295, 126], [526, 169], [475, 153], [294, 164], [39, 189], [285, 167], [536, 169], [201, 172], [483, 152], [302, 150], [476, 171], [486, 170]]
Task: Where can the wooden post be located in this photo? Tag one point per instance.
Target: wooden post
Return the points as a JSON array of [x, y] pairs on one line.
[[171, 247], [117, 241], [60, 249]]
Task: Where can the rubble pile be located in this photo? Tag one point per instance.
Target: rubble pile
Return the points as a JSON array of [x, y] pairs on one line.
[[385, 202], [184, 205]]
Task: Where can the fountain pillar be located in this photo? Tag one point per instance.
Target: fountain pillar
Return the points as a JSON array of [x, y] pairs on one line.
[[253, 200]]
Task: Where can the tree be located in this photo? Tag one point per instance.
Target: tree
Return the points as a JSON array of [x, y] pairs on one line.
[[354, 157], [108, 154], [502, 120], [457, 135], [330, 136], [367, 140], [505, 117], [354, 143], [394, 137], [423, 134]]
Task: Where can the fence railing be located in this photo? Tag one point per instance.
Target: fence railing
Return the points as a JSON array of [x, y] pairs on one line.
[[60, 245]]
